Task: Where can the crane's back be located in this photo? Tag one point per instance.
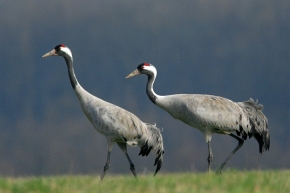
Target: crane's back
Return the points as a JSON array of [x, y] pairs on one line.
[[202, 111]]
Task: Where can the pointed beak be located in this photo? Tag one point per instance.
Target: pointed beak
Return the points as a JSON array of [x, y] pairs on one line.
[[134, 73], [51, 53]]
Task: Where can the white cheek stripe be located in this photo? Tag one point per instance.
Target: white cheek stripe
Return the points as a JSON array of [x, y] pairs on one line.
[[67, 51], [152, 69]]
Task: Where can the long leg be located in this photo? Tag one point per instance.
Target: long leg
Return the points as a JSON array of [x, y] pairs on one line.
[[241, 142], [107, 165], [123, 147], [210, 156]]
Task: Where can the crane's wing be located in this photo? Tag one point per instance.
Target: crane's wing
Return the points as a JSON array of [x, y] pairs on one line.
[[208, 112]]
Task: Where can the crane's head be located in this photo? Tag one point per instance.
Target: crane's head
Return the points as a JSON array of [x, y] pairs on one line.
[[59, 50], [144, 68]]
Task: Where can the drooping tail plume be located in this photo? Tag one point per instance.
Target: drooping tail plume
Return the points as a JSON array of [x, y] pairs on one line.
[[259, 123], [154, 142]]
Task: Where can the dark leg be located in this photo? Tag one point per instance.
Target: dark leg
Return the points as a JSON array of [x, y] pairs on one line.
[[132, 167], [107, 166], [123, 147], [210, 156], [241, 142]]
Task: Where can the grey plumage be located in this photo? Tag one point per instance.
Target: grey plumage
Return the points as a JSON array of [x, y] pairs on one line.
[[212, 114], [116, 124]]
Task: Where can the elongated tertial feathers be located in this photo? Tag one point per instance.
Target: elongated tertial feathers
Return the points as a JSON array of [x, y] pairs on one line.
[[154, 142], [259, 123]]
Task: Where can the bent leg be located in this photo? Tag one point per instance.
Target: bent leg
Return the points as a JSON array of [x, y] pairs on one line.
[[123, 147], [241, 142]]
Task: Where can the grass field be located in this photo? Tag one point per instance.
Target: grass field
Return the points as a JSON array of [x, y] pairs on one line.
[[230, 181]]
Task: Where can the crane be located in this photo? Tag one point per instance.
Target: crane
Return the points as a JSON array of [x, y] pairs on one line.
[[212, 114], [116, 124]]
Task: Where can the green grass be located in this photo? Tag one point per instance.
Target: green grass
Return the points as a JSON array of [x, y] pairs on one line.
[[229, 181]]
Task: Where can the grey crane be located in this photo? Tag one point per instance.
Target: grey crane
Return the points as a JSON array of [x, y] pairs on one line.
[[212, 114], [116, 124]]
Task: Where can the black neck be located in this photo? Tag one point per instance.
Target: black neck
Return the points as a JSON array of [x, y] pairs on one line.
[[149, 88], [72, 77]]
